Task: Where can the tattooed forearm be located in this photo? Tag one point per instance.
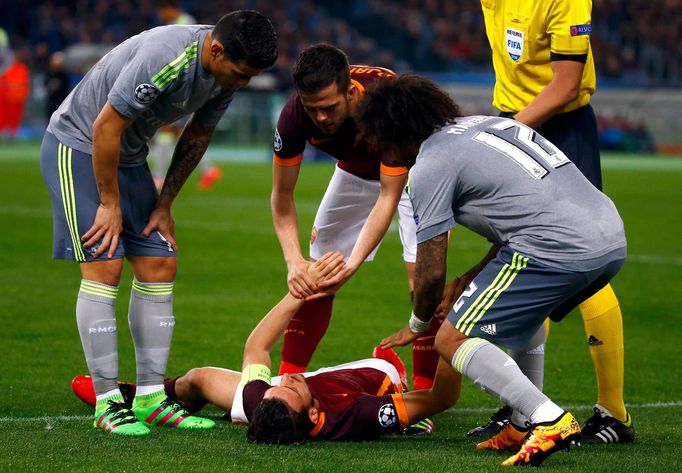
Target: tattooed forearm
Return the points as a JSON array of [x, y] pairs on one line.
[[429, 278], [188, 152]]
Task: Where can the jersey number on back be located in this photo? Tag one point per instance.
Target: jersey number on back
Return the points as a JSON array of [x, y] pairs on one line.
[[523, 146]]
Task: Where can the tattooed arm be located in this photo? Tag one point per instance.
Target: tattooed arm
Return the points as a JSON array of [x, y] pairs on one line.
[[189, 150], [429, 278], [429, 281]]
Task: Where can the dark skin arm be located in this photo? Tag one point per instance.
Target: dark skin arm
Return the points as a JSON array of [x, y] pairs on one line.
[[455, 288], [189, 150], [429, 281]]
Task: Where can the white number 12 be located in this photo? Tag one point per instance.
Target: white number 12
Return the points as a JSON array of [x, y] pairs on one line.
[[532, 152]]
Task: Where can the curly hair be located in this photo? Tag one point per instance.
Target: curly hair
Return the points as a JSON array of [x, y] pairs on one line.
[[404, 111], [273, 422], [319, 66], [247, 36]]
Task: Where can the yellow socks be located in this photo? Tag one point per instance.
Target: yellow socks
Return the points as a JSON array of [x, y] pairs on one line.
[[604, 330]]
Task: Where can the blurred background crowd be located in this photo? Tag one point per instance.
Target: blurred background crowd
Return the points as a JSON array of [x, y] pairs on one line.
[[48, 45]]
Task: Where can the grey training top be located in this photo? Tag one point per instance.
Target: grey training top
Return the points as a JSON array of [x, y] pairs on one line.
[[155, 78], [505, 182]]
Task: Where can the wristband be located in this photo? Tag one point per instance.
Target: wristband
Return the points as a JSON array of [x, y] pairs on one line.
[[418, 325], [255, 372]]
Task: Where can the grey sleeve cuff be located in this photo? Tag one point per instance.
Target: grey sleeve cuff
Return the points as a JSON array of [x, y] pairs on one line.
[[433, 230], [122, 107]]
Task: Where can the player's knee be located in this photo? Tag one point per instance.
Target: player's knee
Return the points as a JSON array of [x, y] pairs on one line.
[[155, 269], [193, 378], [167, 269], [105, 272], [448, 339]]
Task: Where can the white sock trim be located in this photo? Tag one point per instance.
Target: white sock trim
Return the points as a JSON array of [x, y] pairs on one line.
[[546, 412], [144, 390], [107, 394]]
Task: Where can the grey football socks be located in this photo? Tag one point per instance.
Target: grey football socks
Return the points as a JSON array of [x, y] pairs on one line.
[[150, 316], [531, 361], [96, 319], [497, 373]]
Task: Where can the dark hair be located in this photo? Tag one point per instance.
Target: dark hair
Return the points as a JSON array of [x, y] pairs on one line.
[[319, 66], [404, 111], [273, 422], [247, 35]]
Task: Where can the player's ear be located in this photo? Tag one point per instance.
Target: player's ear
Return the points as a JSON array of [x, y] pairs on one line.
[[352, 90], [217, 49], [314, 414]]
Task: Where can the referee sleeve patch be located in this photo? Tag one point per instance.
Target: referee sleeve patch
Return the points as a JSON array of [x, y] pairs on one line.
[[580, 30]]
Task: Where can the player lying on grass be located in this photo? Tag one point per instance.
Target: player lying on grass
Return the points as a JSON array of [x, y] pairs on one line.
[[354, 401]]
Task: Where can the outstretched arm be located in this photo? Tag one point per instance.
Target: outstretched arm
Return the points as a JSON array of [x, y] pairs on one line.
[[443, 394], [200, 386], [285, 221], [272, 326], [218, 385], [375, 226]]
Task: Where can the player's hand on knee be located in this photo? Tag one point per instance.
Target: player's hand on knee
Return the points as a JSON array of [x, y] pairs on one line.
[[105, 229], [161, 220], [400, 338], [300, 283]]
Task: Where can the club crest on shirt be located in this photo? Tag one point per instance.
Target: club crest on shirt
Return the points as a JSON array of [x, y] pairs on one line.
[[278, 141], [145, 93], [514, 43]]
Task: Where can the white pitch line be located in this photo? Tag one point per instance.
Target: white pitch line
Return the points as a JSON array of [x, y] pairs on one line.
[[463, 410], [651, 259], [54, 419], [582, 407]]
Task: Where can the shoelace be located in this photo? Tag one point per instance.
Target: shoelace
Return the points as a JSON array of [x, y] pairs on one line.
[[120, 412], [501, 415], [177, 408]]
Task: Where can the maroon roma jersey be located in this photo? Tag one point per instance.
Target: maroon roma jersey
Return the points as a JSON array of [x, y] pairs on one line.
[[358, 401], [295, 128]]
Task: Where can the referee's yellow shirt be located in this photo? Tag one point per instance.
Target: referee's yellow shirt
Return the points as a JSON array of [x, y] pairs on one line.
[[525, 35]]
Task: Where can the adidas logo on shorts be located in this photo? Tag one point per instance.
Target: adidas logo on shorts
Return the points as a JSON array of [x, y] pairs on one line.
[[490, 329]]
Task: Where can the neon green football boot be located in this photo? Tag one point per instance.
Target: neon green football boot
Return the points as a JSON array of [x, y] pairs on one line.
[[158, 409], [118, 419]]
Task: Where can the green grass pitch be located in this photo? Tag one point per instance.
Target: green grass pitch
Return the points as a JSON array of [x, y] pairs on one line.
[[231, 272]]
